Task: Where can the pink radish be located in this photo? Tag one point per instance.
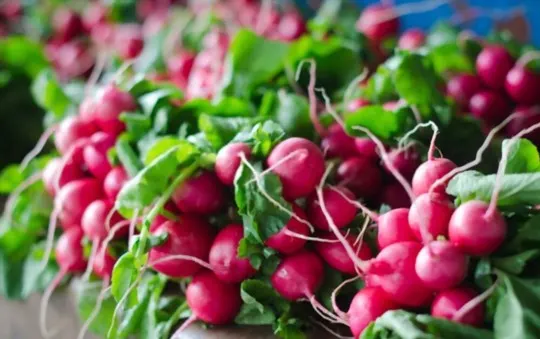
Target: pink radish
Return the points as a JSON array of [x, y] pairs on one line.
[[129, 41], [201, 194], [360, 175], [412, 39], [366, 148], [111, 102], [374, 27], [70, 130], [73, 199], [521, 83], [299, 164], [462, 87], [103, 264], [337, 143], [286, 243], [525, 117], [94, 15], [475, 231], [70, 172], [428, 173], [429, 216], [341, 211], [493, 64], [114, 181], [179, 67], [95, 154], [336, 256], [298, 276], [490, 107], [228, 161], [440, 265], [94, 220], [404, 161], [291, 26], [223, 257], [447, 304], [394, 271], [367, 305], [191, 236], [66, 24], [393, 227]]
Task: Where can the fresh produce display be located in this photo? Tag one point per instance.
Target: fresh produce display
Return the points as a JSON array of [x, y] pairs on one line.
[[235, 163]]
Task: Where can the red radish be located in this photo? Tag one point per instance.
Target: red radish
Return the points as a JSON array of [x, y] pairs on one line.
[[87, 110], [405, 161], [447, 303], [440, 265], [341, 211], [298, 276], [367, 305], [191, 236], [103, 264], [361, 176], [111, 102], [337, 143], [395, 196], [299, 164], [521, 84], [223, 258], [95, 154], [95, 14], [462, 87], [66, 24], [428, 173], [475, 231], [373, 27], [216, 39], [103, 35], [69, 251], [393, 227], [490, 107], [179, 67], [212, 300], [73, 199], [429, 216], [201, 194], [114, 181], [291, 26], [170, 207], [525, 117], [289, 243], [355, 104], [74, 59], [336, 256], [129, 41], [493, 64], [70, 172], [393, 270], [11, 10], [94, 220], [70, 130], [366, 148], [412, 39], [228, 161]]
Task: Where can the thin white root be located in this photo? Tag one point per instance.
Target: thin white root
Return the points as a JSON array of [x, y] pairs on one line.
[[335, 292], [262, 18], [324, 313], [369, 213], [10, 203], [353, 85], [181, 257], [471, 304], [330, 331], [186, 324], [301, 153], [49, 243], [89, 266], [45, 333], [132, 225], [403, 140], [110, 235], [42, 141], [311, 95], [417, 115], [101, 62], [95, 311]]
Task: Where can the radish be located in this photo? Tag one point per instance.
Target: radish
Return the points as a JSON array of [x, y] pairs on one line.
[[525, 117], [223, 257], [429, 216], [367, 305], [474, 230], [493, 64], [393, 227], [395, 196], [428, 173], [201, 194], [490, 107], [73, 59], [191, 236], [412, 39], [404, 161], [355, 104], [394, 271], [299, 164], [103, 264], [179, 67], [291, 26], [286, 243], [70, 172], [374, 26], [337, 143], [335, 254], [366, 148], [94, 15], [440, 265], [228, 161], [170, 208], [95, 154], [298, 276], [129, 41], [212, 300], [462, 87], [361, 176], [94, 220], [70, 130], [66, 24], [111, 102], [340, 210], [447, 304], [114, 181], [521, 84], [73, 199]]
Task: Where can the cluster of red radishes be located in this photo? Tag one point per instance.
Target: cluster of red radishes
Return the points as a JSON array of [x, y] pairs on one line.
[[501, 86], [10, 12]]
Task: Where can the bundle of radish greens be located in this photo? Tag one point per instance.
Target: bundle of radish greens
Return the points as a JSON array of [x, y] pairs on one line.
[[233, 163]]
